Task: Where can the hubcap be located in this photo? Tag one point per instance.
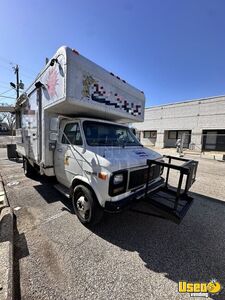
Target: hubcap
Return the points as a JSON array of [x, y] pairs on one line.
[[83, 207]]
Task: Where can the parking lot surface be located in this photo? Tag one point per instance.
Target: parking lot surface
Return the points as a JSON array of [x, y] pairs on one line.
[[127, 256]]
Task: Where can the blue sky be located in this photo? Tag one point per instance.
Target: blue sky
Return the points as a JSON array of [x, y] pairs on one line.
[[173, 50]]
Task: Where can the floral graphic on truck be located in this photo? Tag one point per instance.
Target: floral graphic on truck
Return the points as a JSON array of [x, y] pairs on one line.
[[52, 82]]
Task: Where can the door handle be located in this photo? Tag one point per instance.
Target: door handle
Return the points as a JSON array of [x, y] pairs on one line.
[[59, 149]]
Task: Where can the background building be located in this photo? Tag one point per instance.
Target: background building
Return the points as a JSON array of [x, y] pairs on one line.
[[200, 123]]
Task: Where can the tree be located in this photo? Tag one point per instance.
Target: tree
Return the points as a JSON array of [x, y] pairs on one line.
[[10, 119], [2, 117]]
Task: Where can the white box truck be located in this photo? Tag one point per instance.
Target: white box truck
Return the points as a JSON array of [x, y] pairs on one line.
[[74, 125]]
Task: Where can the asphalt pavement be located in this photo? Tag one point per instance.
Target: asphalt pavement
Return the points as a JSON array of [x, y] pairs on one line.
[[127, 256]]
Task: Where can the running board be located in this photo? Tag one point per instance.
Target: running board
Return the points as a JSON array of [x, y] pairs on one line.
[[62, 189]]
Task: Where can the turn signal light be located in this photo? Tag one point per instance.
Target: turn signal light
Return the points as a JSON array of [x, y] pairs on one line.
[[102, 175]]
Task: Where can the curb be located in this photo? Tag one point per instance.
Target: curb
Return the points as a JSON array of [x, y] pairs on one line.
[[6, 247], [3, 199]]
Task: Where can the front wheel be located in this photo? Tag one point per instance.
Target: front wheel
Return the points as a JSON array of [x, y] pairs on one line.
[[86, 206]]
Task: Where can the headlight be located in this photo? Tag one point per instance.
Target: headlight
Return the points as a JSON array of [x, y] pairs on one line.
[[118, 179], [118, 182]]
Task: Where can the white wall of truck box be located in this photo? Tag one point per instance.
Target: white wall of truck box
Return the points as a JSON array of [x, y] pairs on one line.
[[74, 86]]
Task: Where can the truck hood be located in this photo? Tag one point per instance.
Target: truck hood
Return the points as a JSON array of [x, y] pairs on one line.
[[115, 159]]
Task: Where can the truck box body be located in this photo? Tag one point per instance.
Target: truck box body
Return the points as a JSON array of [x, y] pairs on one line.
[[74, 86]]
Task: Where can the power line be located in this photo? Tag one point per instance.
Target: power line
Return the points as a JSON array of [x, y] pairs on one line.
[[5, 83], [4, 86], [6, 68], [8, 97], [27, 69], [27, 76], [10, 62], [6, 60], [6, 91]]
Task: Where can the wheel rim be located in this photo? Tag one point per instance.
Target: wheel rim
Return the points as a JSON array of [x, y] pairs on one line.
[[83, 207]]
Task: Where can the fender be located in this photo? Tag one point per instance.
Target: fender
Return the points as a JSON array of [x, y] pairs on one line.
[[84, 180]]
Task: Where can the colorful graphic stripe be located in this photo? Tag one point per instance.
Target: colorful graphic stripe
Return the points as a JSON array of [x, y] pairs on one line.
[[99, 95]]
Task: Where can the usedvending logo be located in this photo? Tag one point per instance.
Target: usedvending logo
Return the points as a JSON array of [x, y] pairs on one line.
[[200, 289]]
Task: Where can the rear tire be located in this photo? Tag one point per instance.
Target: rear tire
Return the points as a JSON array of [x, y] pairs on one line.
[[29, 170], [86, 206]]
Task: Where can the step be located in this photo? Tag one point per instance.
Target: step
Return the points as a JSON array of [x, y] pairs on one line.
[[62, 189]]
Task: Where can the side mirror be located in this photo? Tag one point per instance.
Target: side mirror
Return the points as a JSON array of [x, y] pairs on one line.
[[53, 136], [54, 124]]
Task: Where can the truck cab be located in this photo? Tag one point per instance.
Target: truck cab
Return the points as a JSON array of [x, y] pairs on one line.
[[106, 159]]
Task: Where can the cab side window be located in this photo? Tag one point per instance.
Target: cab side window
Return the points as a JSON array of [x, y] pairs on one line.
[[72, 134]]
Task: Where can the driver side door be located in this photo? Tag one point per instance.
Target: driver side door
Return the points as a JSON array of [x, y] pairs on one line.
[[67, 160]]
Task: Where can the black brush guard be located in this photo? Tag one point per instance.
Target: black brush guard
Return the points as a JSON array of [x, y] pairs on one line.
[[169, 202]]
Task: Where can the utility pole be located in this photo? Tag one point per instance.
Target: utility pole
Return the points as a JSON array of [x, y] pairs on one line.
[[16, 71], [17, 87]]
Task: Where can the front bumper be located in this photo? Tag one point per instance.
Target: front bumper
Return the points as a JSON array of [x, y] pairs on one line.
[[117, 206]]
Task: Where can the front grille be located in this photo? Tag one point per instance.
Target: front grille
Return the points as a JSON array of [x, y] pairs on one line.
[[139, 177]]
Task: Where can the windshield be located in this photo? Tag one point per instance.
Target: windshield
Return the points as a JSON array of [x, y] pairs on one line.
[[103, 134]]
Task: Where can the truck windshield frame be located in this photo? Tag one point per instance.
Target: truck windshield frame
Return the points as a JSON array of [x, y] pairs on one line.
[[107, 134]]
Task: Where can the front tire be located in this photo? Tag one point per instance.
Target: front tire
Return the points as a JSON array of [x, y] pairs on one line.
[[86, 205]]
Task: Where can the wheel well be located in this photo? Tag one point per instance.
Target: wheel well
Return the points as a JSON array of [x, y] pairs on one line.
[[32, 163], [77, 182]]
